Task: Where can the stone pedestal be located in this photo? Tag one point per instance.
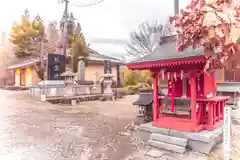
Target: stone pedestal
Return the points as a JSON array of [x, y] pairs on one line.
[[202, 142]]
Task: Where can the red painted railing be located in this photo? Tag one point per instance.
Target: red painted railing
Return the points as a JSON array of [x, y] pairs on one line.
[[210, 113]]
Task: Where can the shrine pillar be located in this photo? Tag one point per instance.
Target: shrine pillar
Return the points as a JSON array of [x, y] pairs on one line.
[[155, 96], [193, 98]]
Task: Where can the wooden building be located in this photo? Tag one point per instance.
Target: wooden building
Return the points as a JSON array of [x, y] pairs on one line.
[[191, 103], [25, 74]]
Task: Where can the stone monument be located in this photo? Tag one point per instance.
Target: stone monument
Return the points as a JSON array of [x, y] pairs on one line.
[[81, 70]]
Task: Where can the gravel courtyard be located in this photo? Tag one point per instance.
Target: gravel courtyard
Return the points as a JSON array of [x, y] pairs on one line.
[[33, 130]]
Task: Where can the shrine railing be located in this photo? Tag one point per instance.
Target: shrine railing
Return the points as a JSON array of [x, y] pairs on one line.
[[210, 112]]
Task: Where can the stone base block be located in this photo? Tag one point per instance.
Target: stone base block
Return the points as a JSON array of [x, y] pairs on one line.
[[202, 142], [169, 139], [204, 147], [167, 146], [73, 102]]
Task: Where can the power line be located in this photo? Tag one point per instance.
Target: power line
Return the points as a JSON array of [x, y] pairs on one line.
[[67, 3], [94, 2]]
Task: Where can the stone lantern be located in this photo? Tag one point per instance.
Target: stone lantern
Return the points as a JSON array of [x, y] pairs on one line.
[[68, 77], [107, 82], [69, 83]]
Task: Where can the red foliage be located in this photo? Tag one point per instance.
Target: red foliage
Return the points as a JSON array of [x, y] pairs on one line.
[[208, 23]]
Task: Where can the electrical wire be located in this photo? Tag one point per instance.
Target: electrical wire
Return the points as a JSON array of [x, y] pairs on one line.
[[91, 3]]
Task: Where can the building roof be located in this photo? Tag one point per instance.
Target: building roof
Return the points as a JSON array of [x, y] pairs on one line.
[[93, 56], [168, 51], [166, 55], [20, 63]]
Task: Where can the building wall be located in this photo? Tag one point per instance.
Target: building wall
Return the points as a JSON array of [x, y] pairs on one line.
[[94, 72], [17, 77], [28, 74], [29, 77], [35, 78], [219, 75]]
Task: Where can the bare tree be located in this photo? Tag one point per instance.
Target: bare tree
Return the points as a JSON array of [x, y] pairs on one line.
[[6, 57], [140, 40]]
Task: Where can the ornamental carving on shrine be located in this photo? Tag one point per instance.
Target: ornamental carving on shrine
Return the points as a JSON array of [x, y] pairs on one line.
[[213, 25]]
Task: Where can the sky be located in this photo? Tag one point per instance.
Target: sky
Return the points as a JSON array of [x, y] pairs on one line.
[[112, 19]]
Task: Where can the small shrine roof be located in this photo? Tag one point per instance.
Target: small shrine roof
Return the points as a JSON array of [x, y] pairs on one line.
[[167, 52]]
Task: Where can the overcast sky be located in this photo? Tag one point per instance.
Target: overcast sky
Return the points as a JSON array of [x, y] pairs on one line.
[[111, 19]]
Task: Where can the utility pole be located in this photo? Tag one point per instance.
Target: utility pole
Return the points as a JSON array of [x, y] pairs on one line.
[[41, 52], [176, 7], [65, 34]]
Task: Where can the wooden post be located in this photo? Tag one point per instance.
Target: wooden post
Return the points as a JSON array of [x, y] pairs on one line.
[[155, 97], [210, 114], [193, 98], [173, 94], [214, 91]]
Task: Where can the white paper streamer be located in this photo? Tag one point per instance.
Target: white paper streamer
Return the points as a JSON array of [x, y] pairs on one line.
[[182, 75], [162, 71], [175, 76]]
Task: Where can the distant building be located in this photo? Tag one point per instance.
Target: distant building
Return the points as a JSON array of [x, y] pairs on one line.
[[26, 75]]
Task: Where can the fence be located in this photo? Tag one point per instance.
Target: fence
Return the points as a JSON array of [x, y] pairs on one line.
[[63, 90]]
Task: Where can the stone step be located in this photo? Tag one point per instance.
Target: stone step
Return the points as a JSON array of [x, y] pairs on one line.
[[167, 146], [169, 139]]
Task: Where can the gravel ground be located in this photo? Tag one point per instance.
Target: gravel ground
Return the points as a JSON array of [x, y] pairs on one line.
[[33, 130], [92, 130]]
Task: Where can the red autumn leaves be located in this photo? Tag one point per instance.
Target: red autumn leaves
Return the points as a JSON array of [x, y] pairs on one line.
[[209, 23]]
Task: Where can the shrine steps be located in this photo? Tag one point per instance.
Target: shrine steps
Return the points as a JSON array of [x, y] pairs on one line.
[[178, 141], [169, 143]]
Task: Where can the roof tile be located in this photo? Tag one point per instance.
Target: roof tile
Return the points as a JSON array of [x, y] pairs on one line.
[[168, 51]]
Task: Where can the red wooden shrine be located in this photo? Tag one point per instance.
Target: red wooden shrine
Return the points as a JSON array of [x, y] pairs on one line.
[[188, 84]]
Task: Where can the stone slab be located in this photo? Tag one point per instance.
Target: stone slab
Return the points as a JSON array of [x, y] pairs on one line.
[[203, 147], [73, 102], [167, 146], [148, 127], [205, 136], [202, 142], [169, 139]]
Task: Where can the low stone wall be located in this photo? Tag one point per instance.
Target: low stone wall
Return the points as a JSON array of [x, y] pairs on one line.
[[63, 90]]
